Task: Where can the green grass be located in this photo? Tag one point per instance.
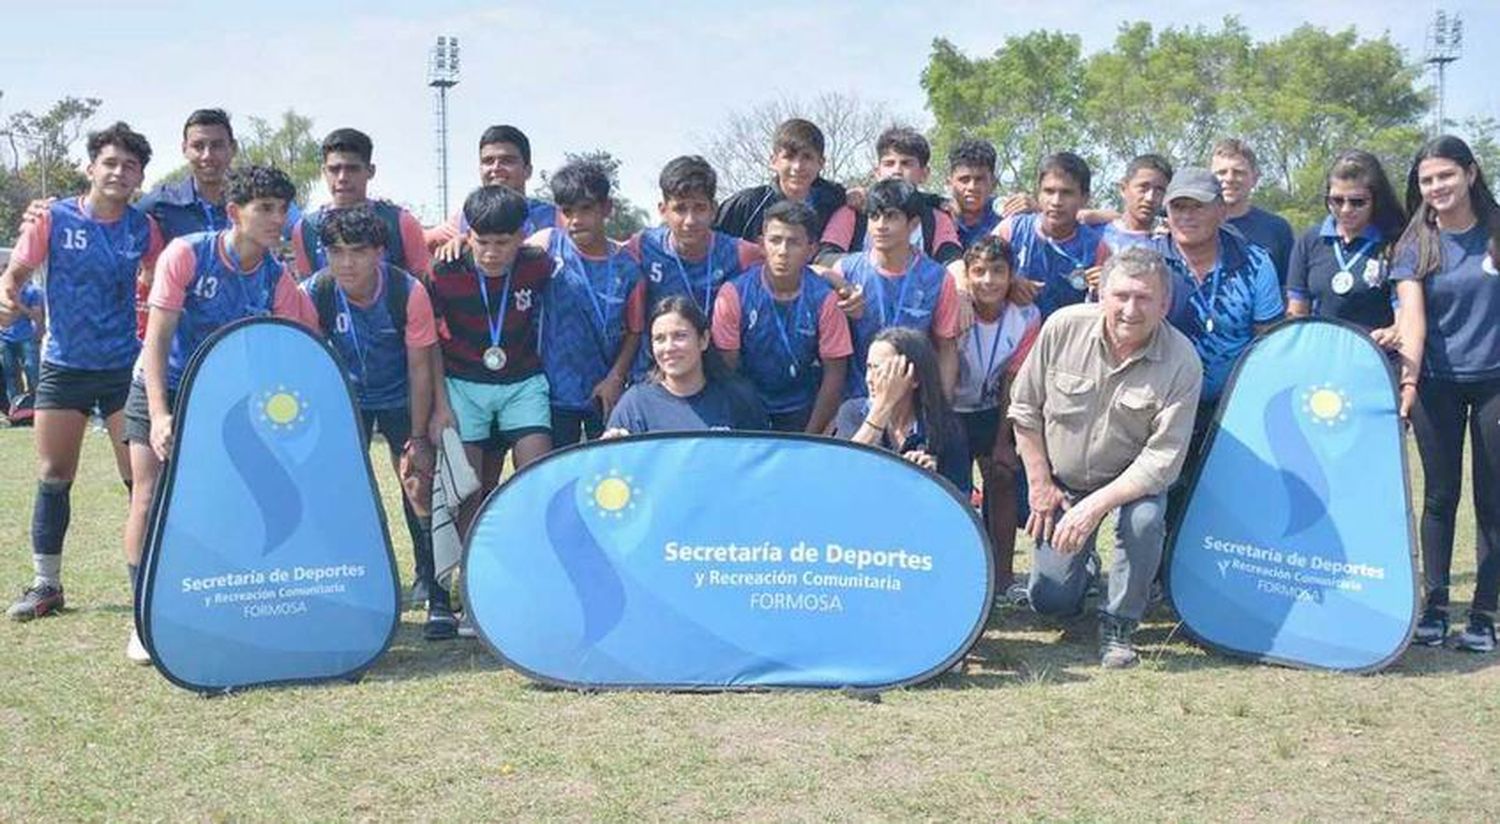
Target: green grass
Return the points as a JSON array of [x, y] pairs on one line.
[[1032, 730]]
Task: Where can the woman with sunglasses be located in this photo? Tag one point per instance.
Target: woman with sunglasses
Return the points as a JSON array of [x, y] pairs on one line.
[[1450, 249], [1340, 268]]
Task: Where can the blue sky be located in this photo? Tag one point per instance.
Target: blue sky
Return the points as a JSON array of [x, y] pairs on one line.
[[582, 75]]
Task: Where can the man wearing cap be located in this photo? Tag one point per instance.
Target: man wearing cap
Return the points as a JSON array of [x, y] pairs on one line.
[[1228, 291], [1103, 411]]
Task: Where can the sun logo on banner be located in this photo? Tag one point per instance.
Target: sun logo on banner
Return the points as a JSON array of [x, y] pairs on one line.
[[283, 409], [1326, 404], [612, 496]]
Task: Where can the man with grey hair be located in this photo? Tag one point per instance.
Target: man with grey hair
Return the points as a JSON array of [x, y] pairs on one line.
[[1103, 412]]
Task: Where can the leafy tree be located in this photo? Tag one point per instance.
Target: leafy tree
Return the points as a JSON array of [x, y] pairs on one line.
[[741, 148], [39, 150], [289, 146], [1026, 98]]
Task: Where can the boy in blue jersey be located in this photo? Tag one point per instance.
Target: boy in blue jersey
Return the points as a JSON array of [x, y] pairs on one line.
[[1060, 255], [379, 320], [779, 324], [900, 152], [971, 186], [685, 255], [18, 347], [1143, 195], [203, 281], [347, 169], [797, 156], [93, 247], [594, 309], [894, 284], [504, 160]]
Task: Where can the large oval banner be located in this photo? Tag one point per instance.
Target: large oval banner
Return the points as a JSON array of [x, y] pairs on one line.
[[727, 560], [268, 559], [1296, 544]]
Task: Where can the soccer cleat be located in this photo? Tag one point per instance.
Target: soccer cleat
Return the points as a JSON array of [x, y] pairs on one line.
[[36, 601], [1478, 635], [135, 651], [1432, 630]]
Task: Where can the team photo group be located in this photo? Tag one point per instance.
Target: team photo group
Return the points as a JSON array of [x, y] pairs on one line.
[[1055, 361]]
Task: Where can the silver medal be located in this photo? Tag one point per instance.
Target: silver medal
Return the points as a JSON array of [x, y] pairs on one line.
[[1078, 280], [494, 359], [1343, 282]]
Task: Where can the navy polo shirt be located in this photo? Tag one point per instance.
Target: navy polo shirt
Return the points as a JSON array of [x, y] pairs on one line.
[[1316, 262], [1463, 307]]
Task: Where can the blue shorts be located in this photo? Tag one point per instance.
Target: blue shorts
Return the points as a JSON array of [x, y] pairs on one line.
[[515, 409]]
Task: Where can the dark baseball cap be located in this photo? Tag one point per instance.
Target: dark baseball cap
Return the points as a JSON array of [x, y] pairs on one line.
[[1193, 182]]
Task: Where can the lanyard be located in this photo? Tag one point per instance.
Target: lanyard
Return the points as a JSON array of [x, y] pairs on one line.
[[1207, 310], [795, 312], [708, 273], [588, 283], [348, 312], [1348, 265], [263, 305], [885, 318], [497, 329], [988, 364], [1077, 262]]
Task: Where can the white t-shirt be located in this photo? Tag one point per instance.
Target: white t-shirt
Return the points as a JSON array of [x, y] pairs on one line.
[[984, 351]]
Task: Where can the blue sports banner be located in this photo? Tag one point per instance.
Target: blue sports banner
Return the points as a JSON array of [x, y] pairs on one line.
[[268, 559], [727, 560], [1296, 545]]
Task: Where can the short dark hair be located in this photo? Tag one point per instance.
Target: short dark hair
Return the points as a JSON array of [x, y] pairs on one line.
[[687, 176], [1069, 165], [1154, 162], [353, 141], [976, 154], [793, 213], [250, 182], [508, 134], [903, 140], [796, 136], [579, 182], [894, 195], [208, 117], [352, 226], [495, 210], [991, 248], [121, 136], [1234, 147]]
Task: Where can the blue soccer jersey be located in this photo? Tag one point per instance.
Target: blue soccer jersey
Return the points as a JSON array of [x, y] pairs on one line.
[[969, 233], [92, 270], [586, 314], [1056, 264], [779, 341], [367, 338], [913, 298]]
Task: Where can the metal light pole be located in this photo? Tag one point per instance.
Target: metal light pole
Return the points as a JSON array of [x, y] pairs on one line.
[[1445, 41], [442, 75]]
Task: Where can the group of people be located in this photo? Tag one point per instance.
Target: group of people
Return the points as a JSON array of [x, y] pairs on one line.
[[1072, 355]]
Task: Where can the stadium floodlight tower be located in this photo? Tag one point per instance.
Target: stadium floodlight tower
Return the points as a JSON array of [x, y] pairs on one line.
[[1445, 43], [442, 75]]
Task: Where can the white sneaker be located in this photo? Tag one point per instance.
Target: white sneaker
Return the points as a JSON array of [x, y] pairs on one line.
[[135, 651], [466, 628]]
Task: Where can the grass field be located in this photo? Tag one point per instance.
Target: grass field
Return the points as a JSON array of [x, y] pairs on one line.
[[1032, 729]]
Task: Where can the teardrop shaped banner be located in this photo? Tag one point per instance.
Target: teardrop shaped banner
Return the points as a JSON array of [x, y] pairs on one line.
[[1296, 544], [727, 560], [268, 559]]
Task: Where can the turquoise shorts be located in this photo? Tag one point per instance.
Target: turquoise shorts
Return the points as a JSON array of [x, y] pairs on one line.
[[515, 409]]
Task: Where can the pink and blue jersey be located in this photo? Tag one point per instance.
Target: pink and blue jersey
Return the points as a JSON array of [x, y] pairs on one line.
[[923, 298], [404, 246], [198, 277], [92, 268], [1051, 262], [369, 344], [667, 274], [782, 344], [591, 303]]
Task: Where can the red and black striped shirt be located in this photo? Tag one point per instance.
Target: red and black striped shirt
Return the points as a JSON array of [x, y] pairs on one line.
[[463, 328]]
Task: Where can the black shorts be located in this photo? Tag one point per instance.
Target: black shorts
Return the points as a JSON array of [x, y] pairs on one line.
[[138, 414], [82, 390]]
